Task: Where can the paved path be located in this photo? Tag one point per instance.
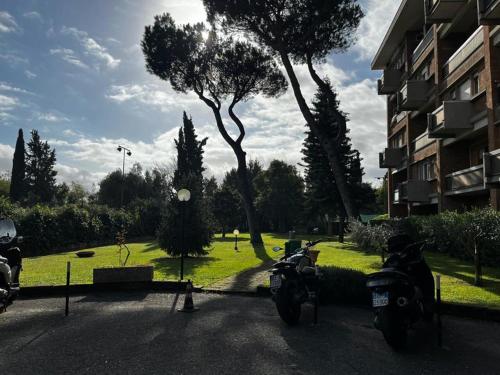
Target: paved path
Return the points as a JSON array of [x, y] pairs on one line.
[[143, 334], [246, 281]]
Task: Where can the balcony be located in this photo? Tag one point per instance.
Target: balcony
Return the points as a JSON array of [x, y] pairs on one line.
[[391, 158], [465, 181], [412, 191], [421, 142], [492, 168], [424, 43], [413, 95], [390, 82], [489, 11], [440, 11], [470, 46], [452, 118]]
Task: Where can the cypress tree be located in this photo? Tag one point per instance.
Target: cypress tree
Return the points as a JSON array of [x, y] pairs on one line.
[[322, 195], [40, 173], [17, 180], [185, 224]]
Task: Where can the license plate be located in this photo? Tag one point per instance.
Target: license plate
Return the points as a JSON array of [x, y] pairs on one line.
[[275, 281], [380, 299]]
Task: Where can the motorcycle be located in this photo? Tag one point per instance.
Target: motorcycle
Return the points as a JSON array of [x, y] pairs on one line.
[[10, 262], [403, 291], [294, 281]]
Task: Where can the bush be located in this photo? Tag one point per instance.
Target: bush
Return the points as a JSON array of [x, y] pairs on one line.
[[342, 285], [371, 238], [51, 229]]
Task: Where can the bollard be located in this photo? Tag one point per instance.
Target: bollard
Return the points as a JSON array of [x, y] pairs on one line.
[[68, 275], [438, 310]]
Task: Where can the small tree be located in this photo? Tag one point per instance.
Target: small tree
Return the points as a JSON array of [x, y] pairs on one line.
[[40, 173], [226, 209], [18, 177], [215, 70]]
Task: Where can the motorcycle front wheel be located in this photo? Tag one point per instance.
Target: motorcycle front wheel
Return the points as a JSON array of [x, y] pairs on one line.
[[393, 328], [288, 309]]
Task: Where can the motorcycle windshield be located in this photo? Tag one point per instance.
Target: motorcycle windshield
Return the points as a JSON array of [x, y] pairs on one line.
[[7, 228]]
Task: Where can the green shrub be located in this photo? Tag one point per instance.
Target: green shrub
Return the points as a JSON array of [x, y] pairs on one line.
[[342, 285], [371, 238]]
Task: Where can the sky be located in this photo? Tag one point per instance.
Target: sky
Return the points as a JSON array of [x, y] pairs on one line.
[[74, 70]]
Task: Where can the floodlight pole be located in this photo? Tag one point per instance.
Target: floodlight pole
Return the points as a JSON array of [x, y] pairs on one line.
[[126, 151]]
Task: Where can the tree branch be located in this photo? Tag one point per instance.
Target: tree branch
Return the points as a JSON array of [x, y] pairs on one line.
[[237, 121]]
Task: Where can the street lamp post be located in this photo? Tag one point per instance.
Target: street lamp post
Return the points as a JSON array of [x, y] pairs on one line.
[[126, 151], [236, 233], [183, 195]]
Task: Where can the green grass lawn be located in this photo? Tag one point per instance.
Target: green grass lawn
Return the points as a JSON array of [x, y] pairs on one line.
[[222, 261], [456, 281]]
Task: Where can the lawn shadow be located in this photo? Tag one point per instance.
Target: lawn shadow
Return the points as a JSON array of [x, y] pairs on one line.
[[114, 297], [152, 246], [229, 239], [170, 267]]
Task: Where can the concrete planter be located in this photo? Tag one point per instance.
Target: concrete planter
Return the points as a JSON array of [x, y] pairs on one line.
[[123, 274]]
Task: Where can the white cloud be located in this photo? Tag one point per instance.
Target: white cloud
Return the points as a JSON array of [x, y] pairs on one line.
[[51, 117], [13, 59], [91, 47], [150, 94], [7, 23], [33, 15], [69, 56], [371, 32], [4, 86], [29, 74], [8, 103], [6, 154]]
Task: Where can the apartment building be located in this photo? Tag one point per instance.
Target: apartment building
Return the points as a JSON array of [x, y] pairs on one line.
[[441, 75]]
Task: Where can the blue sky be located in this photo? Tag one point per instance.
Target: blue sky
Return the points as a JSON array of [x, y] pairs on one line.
[[74, 71]]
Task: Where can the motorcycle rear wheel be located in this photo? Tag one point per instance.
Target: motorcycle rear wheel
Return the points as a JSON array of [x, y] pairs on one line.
[[288, 310], [394, 329]]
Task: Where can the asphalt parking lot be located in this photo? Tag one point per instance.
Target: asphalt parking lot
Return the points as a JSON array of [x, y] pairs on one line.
[[139, 333]]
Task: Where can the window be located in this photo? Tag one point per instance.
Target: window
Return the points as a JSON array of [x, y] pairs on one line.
[[464, 90], [425, 170], [475, 84], [399, 140]]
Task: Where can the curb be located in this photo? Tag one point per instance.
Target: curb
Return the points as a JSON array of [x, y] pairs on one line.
[[447, 308], [60, 290]]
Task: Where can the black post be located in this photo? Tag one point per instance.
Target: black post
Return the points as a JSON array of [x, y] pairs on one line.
[[316, 303], [182, 239], [341, 230], [123, 180], [68, 275], [438, 310], [236, 243]]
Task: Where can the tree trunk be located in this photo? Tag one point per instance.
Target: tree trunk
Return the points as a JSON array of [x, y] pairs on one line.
[[246, 195], [477, 266], [223, 232], [328, 144]]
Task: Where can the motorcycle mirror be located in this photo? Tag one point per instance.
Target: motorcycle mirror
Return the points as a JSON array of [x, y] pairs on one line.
[[20, 239], [277, 248]]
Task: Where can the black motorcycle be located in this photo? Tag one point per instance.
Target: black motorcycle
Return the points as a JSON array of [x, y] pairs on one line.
[[10, 262], [403, 291], [294, 281]]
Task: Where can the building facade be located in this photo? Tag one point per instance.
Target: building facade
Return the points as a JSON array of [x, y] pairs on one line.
[[441, 75]]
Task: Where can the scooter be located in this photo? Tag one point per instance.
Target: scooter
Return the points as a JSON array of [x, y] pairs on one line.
[[403, 291], [294, 281], [10, 263]]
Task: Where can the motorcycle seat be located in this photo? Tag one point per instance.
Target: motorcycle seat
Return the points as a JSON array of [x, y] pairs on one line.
[[283, 264]]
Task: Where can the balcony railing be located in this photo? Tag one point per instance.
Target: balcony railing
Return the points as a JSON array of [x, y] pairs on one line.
[[489, 10], [390, 82], [424, 43], [472, 44], [438, 11], [492, 168], [465, 180], [392, 158], [417, 190], [421, 142], [413, 95], [452, 118]]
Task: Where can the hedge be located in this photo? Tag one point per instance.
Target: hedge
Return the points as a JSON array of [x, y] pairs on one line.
[[48, 230], [452, 233], [342, 285]]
